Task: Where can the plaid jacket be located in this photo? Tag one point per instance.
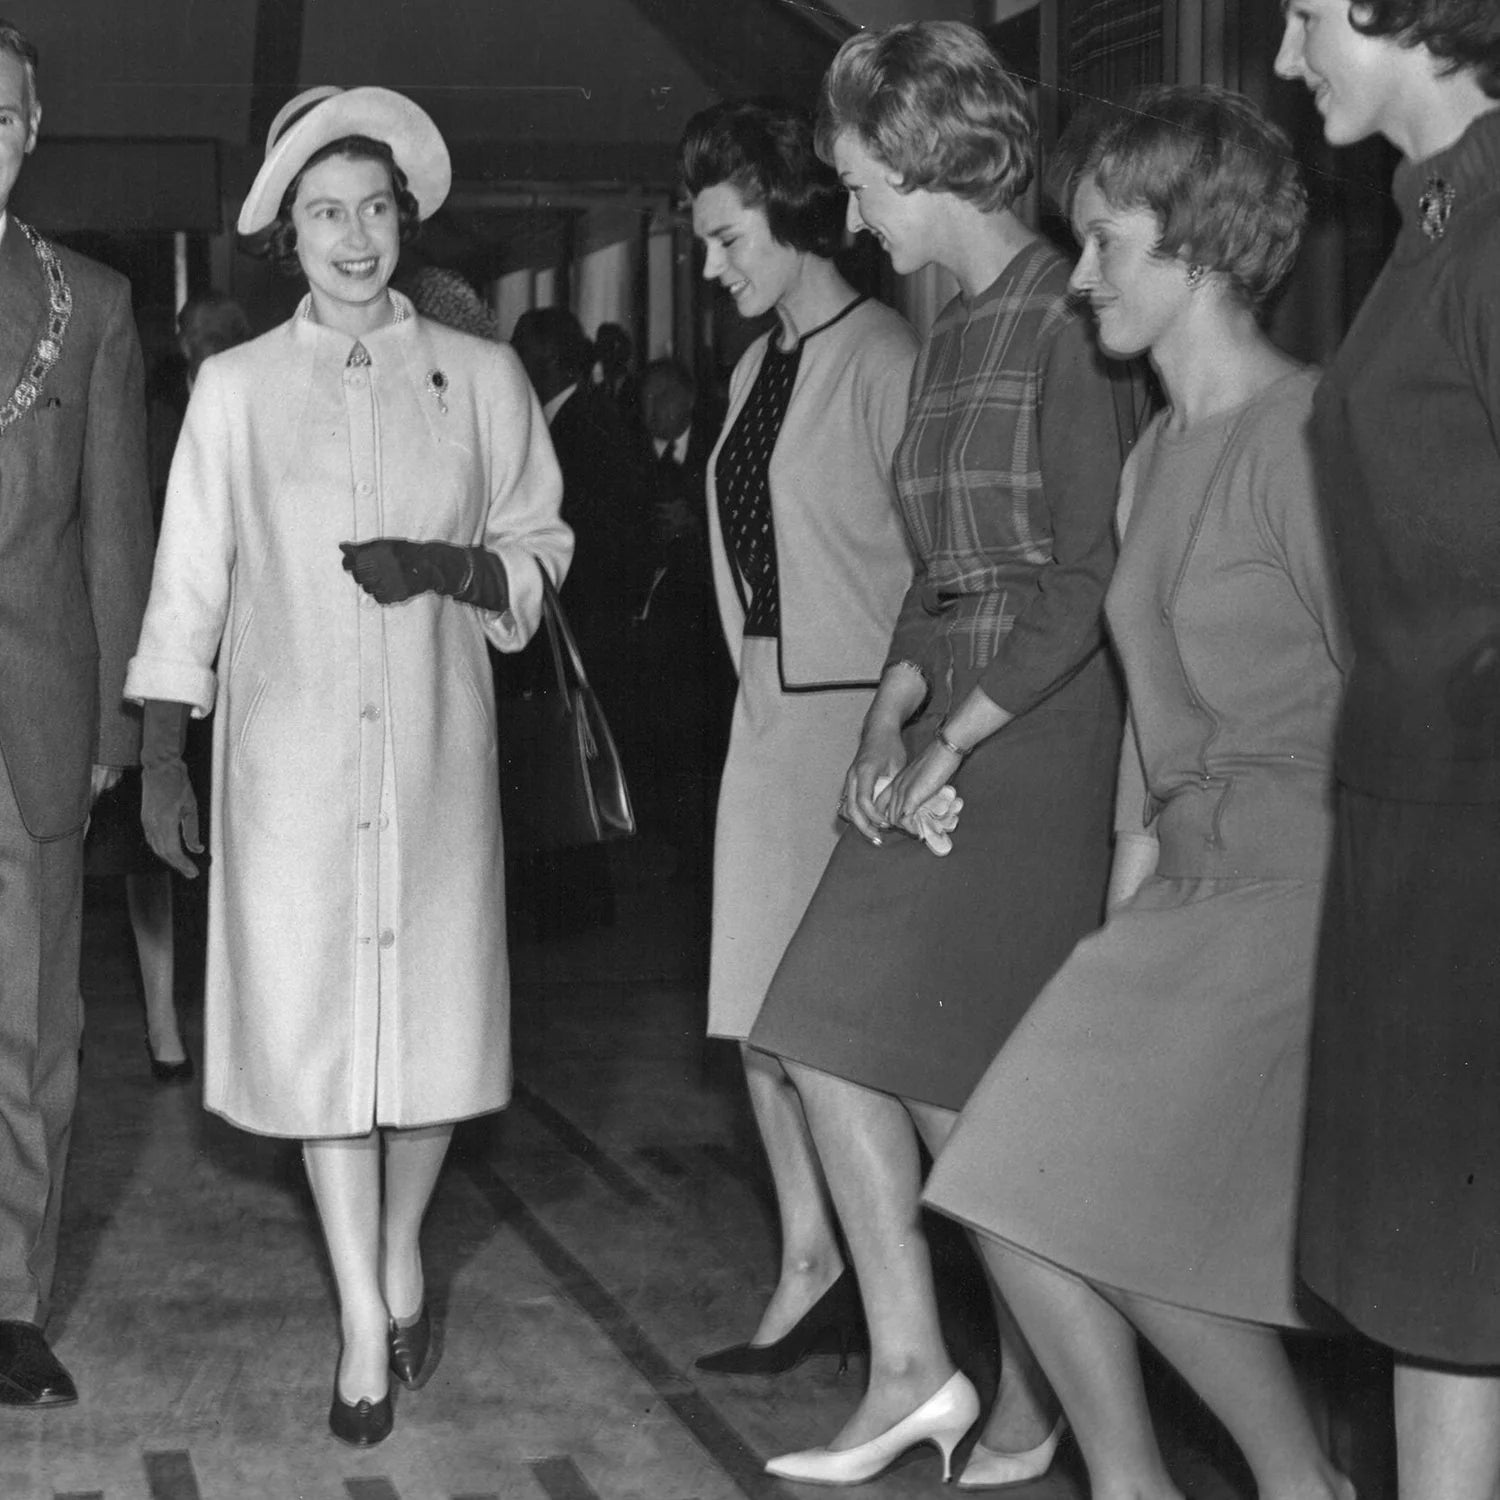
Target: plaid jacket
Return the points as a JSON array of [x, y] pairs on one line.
[[1006, 477]]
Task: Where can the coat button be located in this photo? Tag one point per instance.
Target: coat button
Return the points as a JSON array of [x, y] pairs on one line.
[[387, 938], [364, 487], [369, 711]]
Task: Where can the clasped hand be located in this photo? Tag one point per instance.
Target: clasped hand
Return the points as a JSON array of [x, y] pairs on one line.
[[911, 784], [391, 569]]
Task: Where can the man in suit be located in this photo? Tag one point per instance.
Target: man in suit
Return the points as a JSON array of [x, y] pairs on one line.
[[685, 672], [75, 567], [605, 501]]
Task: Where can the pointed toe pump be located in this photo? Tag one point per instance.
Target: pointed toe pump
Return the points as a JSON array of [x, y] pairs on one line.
[[941, 1420], [989, 1469], [361, 1424], [834, 1321], [414, 1351]]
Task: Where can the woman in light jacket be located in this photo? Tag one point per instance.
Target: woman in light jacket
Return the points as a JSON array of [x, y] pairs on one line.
[[810, 564], [357, 993]]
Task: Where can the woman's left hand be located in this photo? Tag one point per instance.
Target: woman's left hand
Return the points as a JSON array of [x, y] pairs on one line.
[[921, 779]]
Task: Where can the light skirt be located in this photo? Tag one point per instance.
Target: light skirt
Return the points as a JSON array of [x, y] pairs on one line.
[[777, 824]]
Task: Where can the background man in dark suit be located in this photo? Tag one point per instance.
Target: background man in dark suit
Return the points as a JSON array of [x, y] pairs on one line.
[[606, 499], [75, 564], [684, 672]]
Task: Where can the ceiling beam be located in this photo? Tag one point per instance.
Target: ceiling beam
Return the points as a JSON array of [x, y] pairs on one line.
[[753, 46]]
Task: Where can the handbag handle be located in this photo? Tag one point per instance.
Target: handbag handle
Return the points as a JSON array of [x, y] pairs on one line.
[[565, 651]]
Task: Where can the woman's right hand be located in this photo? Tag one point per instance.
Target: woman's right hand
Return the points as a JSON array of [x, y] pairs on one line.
[[881, 754]]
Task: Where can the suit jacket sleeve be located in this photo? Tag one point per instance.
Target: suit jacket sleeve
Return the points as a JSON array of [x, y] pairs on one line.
[[115, 512]]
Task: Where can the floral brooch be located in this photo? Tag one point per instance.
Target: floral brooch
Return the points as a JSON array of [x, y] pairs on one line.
[[437, 383]]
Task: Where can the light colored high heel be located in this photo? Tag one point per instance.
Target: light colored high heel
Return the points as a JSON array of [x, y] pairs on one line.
[[988, 1469], [942, 1420]]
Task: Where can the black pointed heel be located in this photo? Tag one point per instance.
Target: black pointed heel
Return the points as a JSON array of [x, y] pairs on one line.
[[834, 1322], [414, 1351], [362, 1424]]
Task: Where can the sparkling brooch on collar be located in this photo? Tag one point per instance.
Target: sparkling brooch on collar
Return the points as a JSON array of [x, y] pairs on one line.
[[1434, 207], [437, 383]]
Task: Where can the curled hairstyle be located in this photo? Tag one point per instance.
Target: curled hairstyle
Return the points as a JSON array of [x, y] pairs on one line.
[[931, 101], [1219, 177], [1461, 34], [764, 150], [20, 46], [281, 242]]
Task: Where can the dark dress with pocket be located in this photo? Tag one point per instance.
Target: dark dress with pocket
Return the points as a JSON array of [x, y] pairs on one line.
[[909, 969]]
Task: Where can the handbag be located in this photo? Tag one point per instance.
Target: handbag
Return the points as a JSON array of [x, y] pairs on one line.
[[561, 781]]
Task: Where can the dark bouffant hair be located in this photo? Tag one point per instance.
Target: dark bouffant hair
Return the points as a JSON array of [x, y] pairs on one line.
[[932, 101], [1220, 178], [1462, 34], [281, 242], [764, 150]]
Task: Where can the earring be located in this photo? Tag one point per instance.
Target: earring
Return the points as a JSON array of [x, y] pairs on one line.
[[1194, 275]]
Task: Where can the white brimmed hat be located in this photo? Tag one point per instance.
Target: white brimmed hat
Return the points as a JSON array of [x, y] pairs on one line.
[[319, 116]]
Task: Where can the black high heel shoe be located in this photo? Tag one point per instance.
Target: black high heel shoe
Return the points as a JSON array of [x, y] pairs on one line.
[[361, 1424], [169, 1072], [414, 1351], [834, 1321]]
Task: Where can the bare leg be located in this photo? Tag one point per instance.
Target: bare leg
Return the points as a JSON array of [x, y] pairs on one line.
[[413, 1159], [811, 1260], [1241, 1371], [345, 1178], [1090, 1353], [1447, 1433], [148, 899], [868, 1147], [1025, 1408]]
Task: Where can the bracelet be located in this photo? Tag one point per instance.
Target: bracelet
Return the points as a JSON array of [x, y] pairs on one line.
[[942, 739]]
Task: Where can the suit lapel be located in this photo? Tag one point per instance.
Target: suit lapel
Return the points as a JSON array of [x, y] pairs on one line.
[[23, 306]]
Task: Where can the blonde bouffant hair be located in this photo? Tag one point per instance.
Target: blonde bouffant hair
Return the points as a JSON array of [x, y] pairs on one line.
[[933, 103]]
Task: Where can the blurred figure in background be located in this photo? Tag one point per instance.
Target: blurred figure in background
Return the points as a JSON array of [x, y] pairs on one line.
[[606, 499], [116, 846], [685, 672], [614, 371], [447, 297]]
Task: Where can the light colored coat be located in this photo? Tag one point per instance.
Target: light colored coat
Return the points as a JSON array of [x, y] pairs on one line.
[[356, 961]]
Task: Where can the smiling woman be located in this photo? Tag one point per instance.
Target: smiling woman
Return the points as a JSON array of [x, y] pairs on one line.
[[810, 564], [355, 1000], [1402, 1187], [341, 224]]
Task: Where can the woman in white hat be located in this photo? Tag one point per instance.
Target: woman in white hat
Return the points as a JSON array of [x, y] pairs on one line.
[[360, 500]]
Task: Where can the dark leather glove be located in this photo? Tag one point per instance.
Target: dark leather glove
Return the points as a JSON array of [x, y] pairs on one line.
[[391, 569], [169, 811]]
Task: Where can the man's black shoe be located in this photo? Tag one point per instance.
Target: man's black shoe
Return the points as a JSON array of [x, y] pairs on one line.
[[30, 1374]]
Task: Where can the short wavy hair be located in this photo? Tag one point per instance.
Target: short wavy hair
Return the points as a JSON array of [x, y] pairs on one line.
[[281, 238], [1464, 35], [764, 150], [933, 102], [1220, 178]]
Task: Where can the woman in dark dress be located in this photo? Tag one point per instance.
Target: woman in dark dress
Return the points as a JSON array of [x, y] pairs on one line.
[[1400, 1215], [911, 967]]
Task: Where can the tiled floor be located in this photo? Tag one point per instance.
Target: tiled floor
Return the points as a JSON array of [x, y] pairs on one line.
[[583, 1246]]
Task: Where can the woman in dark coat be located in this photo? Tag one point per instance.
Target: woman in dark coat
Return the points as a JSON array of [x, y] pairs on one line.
[[1401, 1198]]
